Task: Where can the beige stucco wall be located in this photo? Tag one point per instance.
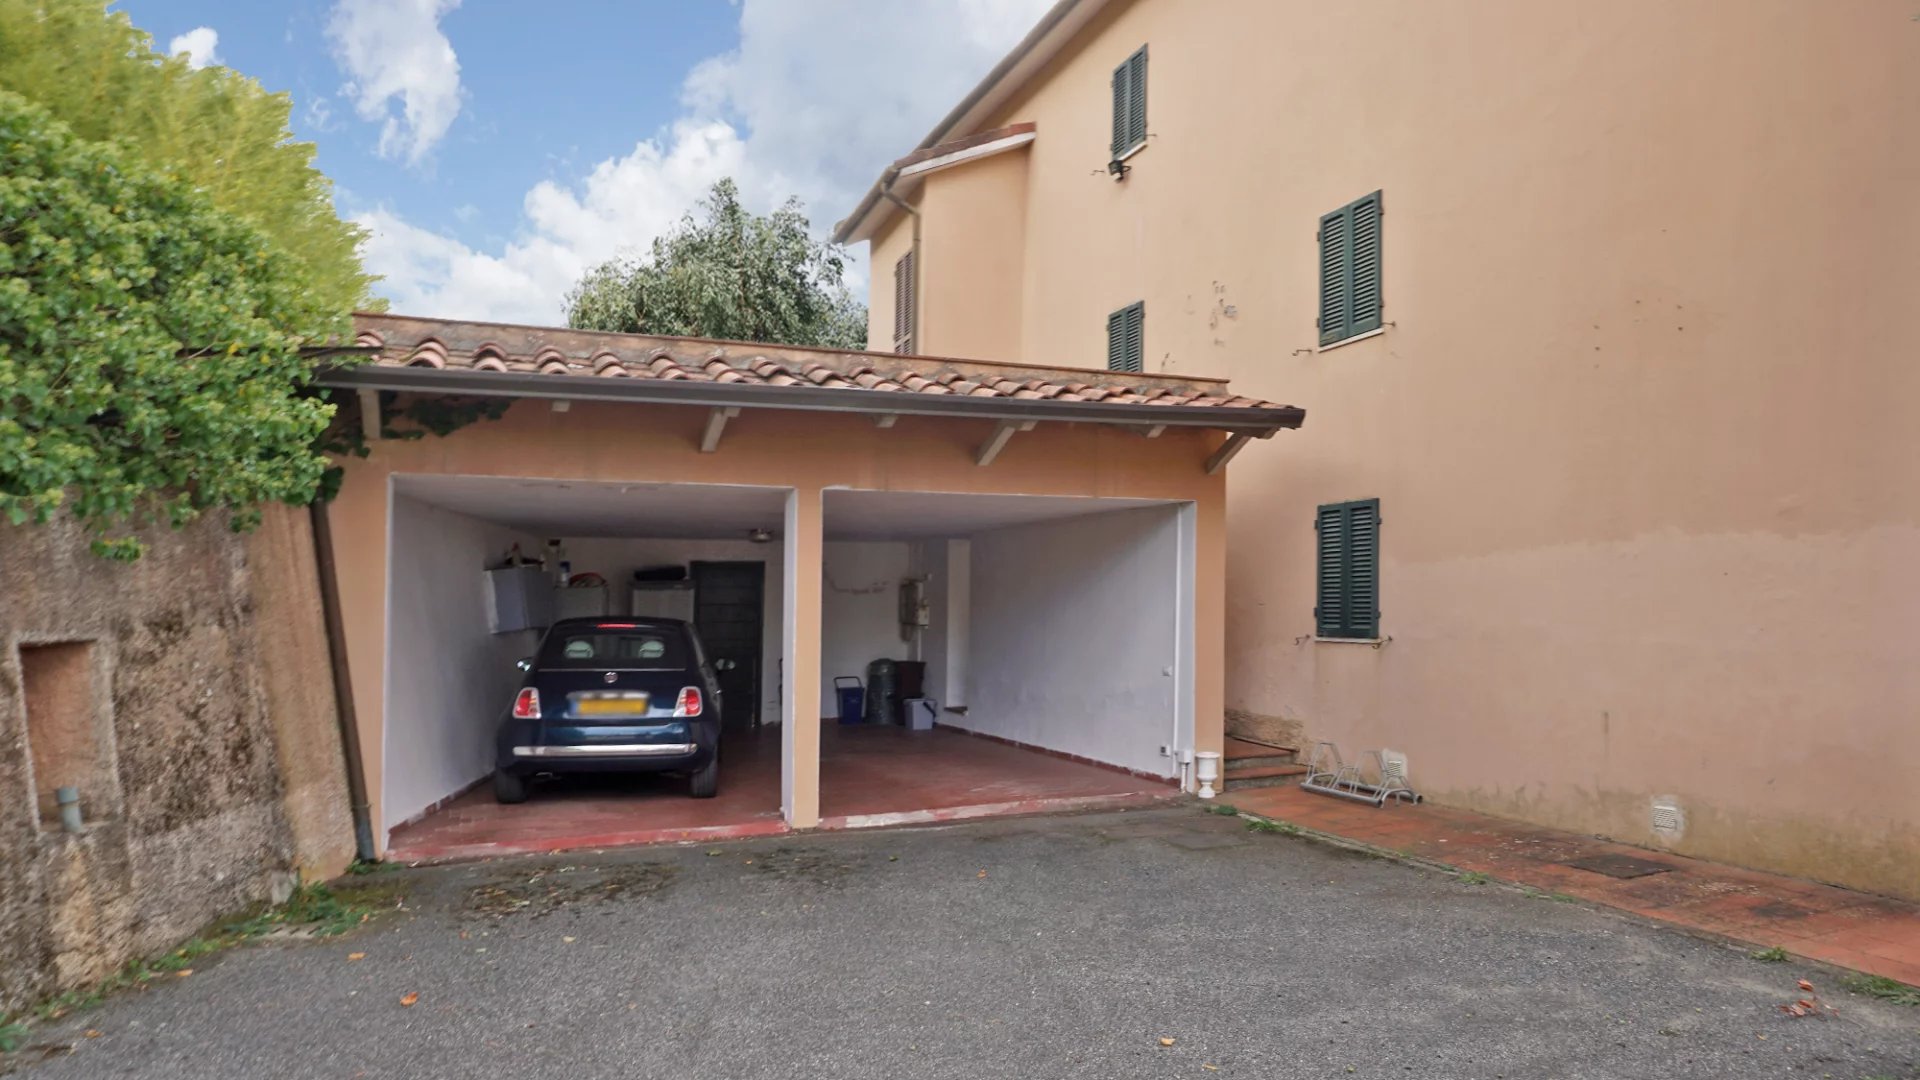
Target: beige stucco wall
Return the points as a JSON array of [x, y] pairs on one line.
[[806, 452], [973, 231], [1638, 420], [297, 679]]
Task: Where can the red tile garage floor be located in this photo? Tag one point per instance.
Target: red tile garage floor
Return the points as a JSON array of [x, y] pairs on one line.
[[869, 776]]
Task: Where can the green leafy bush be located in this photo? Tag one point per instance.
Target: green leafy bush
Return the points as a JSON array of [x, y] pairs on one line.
[[151, 361], [212, 128]]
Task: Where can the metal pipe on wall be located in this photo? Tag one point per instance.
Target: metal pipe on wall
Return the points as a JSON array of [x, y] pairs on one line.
[[343, 686]]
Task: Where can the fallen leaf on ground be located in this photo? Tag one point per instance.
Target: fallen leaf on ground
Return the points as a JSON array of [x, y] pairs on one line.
[[94, 1033], [183, 972], [1210, 1068], [407, 1002], [715, 851], [356, 956], [1164, 1041], [568, 940], [983, 873]]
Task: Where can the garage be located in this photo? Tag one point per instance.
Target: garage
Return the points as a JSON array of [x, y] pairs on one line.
[[1038, 567]]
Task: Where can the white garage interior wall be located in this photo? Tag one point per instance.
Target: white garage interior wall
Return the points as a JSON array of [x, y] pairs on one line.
[[448, 680], [1075, 637], [859, 610], [942, 564], [1058, 623]]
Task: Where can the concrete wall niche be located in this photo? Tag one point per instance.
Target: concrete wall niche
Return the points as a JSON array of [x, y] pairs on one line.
[[68, 745]]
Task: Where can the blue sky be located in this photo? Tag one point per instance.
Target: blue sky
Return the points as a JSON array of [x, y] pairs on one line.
[[497, 148]]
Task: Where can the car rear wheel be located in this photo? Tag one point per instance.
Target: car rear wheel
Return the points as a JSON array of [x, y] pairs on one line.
[[706, 782], [508, 788]]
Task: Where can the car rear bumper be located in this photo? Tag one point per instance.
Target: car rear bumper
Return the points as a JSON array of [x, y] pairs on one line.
[[606, 750], [530, 747]]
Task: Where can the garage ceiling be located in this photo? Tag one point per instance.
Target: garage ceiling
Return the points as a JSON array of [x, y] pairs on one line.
[[586, 508], [907, 515]]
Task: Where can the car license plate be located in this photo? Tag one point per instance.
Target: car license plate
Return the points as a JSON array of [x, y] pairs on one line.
[[611, 705]]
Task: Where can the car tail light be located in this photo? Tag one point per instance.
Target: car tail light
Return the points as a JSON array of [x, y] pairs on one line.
[[527, 705], [689, 703]]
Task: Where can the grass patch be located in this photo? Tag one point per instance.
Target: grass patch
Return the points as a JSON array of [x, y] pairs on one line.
[[1885, 989], [361, 867], [1473, 877], [1223, 810], [11, 1036], [1775, 955], [314, 909], [1262, 825]]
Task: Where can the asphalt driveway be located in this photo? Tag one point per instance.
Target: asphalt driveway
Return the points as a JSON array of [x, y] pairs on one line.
[[1039, 948]]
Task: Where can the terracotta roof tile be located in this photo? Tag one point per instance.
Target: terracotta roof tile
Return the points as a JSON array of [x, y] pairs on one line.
[[399, 341]]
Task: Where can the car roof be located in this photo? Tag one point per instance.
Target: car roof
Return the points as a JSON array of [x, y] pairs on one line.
[[620, 622]]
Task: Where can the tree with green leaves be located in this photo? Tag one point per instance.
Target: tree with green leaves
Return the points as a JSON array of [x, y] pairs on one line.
[[212, 128], [731, 274], [154, 347]]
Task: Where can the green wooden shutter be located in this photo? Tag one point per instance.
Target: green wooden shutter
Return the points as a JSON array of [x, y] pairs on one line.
[[1129, 103], [1126, 338], [1350, 291], [904, 295], [1334, 252], [1137, 98], [1363, 569], [1363, 218], [1347, 603], [1330, 603]]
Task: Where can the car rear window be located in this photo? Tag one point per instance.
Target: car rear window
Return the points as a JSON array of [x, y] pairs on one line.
[[604, 648]]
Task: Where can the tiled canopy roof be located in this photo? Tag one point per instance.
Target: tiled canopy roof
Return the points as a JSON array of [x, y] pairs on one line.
[[401, 341]]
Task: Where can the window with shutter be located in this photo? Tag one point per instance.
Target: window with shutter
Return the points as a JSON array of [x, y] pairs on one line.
[[1126, 338], [1350, 293], [1130, 103], [1347, 603], [905, 320]]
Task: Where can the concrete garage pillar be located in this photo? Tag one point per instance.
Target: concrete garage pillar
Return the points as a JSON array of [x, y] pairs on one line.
[[800, 703]]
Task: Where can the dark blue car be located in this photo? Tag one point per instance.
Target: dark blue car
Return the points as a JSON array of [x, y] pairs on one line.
[[612, 695]]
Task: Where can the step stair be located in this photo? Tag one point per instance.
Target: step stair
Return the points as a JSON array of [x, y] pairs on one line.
[[1250, 764]]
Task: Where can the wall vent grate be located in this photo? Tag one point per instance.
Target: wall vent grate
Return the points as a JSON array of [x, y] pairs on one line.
[[1666, 818]]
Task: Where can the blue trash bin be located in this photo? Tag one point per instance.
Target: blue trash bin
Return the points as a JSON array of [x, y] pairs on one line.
[[853, 698]]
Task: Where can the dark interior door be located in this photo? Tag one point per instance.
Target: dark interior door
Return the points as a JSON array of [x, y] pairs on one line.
[[727, 611]]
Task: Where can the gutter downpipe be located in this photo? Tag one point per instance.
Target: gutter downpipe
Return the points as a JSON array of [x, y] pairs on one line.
[[886, 192], [342, 685]]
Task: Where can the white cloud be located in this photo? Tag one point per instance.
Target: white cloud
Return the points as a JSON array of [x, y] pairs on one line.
[[199, 45], [401, 70], [794, 110], [619, 206], [319, 114]]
